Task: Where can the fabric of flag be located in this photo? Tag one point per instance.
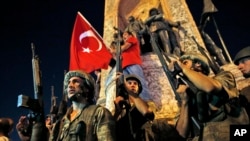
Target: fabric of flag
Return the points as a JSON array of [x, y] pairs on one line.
[[208, 9], [87, 49]]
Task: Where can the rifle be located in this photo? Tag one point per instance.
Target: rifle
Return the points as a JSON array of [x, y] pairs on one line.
[[54, 107], [171, 75], [61, 110], [118, 65], [120, 88], [63, 104], [36, 116]]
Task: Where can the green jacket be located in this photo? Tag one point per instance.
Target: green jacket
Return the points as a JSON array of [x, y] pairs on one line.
[[94, 123]]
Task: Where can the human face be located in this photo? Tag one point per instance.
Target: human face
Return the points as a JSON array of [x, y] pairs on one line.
[[125, 36], [112, 50], [74, 86], [244, 66], [132, 86]]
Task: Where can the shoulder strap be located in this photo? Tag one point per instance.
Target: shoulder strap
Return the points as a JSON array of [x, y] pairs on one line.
[[91, 110]]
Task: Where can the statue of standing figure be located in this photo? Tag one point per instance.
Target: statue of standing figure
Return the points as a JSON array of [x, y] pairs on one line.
[[162, 32], [139, 30]]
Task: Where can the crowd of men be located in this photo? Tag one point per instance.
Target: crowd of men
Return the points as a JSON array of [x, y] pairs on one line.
[[208, 105]]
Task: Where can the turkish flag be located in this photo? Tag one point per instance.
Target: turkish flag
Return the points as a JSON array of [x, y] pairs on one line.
[[87, 49]]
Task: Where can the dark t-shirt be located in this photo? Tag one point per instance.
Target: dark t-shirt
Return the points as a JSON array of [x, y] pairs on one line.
[[123, 126]]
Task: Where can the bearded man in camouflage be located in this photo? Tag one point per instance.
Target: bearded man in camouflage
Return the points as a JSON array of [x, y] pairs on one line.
[[83, 121]]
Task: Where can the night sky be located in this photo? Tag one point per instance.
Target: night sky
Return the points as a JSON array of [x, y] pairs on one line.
[[49, 23]]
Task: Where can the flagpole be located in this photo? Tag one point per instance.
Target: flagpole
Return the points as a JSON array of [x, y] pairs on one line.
[[221, 40]]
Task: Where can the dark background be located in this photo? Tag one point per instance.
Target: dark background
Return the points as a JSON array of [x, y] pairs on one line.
[[49, 23]]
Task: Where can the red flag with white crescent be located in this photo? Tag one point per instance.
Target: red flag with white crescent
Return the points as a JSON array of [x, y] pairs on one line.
[[87, 49]]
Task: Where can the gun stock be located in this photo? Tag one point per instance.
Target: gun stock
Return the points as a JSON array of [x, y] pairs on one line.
[[119, 82], [54, 107], [38, 130], [63, 104]]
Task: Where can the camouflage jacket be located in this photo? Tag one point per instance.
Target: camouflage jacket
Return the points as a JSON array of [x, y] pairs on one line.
[[94, 123], [234, 113]]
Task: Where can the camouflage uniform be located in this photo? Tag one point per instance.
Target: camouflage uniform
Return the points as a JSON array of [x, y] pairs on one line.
[[219, 130], [214, 124], [91, 123], [94, 123]]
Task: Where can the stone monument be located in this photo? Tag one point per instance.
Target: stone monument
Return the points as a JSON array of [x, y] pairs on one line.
[[116, 13]]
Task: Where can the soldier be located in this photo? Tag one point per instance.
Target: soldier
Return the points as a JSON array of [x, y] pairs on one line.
[[213, 100], [131, 111], [135, 117], [242, 60], [83, 120]]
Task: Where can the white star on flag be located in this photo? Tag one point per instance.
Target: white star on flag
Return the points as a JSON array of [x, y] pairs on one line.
[[86, 50]]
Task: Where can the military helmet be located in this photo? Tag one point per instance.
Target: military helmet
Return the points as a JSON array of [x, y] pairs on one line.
[[89, 81], [243, 53], [197, 56], [134, 77], [153, 11]]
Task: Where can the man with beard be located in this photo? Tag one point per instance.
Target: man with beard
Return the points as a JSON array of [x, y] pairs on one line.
[[83, 120]]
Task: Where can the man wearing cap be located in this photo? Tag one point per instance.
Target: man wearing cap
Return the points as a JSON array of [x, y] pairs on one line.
[[83, 120], [242, 60], [209, 98], [131, 111]]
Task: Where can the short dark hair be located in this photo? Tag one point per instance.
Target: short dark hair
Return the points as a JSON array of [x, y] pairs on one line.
[[130, 33]]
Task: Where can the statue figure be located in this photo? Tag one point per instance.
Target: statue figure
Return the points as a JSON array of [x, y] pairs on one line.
[[139, 30], [162, 31], [213, 49]]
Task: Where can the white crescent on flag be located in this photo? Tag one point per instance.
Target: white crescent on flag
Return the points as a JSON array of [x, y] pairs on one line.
[[90, 33], [87, 49]]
